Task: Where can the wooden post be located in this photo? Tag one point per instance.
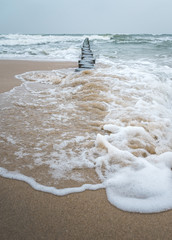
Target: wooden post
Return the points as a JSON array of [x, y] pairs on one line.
[[87, 60]]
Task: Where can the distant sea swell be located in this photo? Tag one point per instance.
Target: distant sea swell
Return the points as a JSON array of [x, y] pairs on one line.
[[67, 47]]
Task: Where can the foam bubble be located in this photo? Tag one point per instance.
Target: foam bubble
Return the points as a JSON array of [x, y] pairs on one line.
[[135, 184], [145, 189], [39, 187]]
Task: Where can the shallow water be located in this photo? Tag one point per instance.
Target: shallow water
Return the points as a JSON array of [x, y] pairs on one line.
[[107, 128]]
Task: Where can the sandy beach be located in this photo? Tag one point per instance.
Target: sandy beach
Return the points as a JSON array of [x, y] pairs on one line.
[[29, 214]]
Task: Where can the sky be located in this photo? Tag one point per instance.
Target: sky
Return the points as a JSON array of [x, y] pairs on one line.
[[85, 16]]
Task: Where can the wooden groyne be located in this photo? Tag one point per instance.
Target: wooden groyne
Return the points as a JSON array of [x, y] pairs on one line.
[[87, 60]]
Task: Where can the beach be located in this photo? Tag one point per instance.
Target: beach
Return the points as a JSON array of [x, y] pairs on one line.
[[10, 68], [30, 214]]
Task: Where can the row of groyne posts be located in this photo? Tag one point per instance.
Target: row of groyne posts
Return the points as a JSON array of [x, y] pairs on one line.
[[87, 60]]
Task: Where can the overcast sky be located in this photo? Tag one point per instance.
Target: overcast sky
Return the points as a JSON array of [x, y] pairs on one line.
[[85, 16]]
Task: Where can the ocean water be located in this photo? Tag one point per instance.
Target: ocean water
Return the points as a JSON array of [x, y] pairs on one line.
[[111, 127]]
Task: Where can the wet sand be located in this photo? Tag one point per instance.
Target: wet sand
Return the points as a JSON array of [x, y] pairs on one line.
[[10, 68], [29, 214]]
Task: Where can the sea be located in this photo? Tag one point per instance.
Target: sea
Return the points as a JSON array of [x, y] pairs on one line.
[[108, 128]]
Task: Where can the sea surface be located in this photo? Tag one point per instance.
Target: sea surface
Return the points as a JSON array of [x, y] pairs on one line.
[[110, 127]]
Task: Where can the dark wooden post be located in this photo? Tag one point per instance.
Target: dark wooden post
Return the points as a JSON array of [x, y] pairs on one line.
[[87, 60]]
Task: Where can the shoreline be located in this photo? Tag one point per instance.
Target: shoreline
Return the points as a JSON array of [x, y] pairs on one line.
[[30, 214], [10, 68]]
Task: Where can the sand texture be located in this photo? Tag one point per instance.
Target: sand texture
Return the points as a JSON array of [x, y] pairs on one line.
[[29, 214], [10, 68]]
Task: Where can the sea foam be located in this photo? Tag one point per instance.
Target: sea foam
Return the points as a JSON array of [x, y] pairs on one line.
[[141, 184], [110, 127], [39, 187]]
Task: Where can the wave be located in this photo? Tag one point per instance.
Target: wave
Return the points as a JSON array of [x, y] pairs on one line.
[[141, 38], [21, 39], [67, 47], [107, 128]]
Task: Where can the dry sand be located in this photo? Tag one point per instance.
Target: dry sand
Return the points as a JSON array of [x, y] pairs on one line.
[[29, 214]]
